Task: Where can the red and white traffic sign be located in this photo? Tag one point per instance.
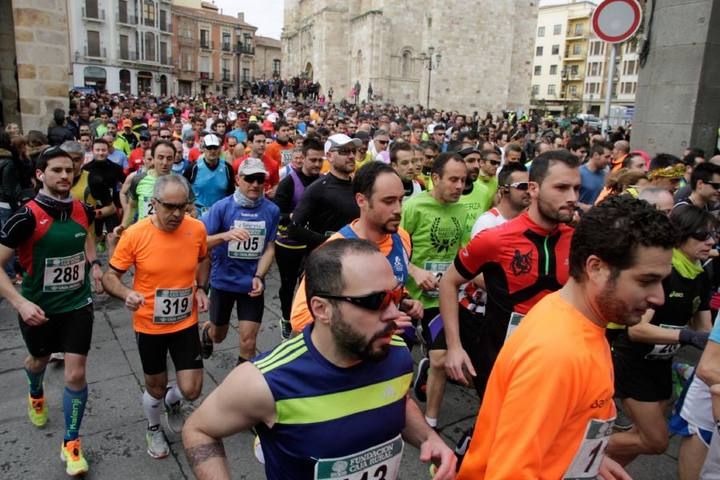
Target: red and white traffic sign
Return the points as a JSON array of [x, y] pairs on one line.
[[614, 21]]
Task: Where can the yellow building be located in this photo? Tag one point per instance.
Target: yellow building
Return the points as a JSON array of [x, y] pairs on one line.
[[575, 60]]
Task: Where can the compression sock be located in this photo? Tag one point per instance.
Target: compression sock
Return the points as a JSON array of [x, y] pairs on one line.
[[151, 405], [35, 382], [73, 408], [173, 395]]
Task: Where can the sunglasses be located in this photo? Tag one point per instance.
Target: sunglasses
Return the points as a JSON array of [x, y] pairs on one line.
[[346, 151], [165, 137], [704, 235], [523, 186], [375, 301], [212, 147], [171, 206], [430, 157], [494, 162], [715, 185], [259, 179], [382, 141]]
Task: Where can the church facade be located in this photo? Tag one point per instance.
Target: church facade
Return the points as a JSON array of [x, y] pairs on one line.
[[482, 50]]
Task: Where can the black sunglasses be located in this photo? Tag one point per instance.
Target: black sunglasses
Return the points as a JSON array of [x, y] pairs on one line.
[[494, 162], [212, 147], [165, 137], [715, 185], [171, 206], [704, 235], [258, 178], [382, 141], [375, 301]]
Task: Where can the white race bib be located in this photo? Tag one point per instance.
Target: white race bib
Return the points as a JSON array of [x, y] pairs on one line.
[[438, 269], [663, 351], [381, 462], [252, 248], [172, 305], [515, 319], [64, 273], [147, 208], [589, 456]]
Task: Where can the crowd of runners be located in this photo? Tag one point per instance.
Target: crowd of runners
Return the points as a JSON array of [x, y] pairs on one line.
[[554, 269]]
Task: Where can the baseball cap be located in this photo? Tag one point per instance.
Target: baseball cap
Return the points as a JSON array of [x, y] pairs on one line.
[[339, 140], [251, 166], [211, 140], [127, 123]]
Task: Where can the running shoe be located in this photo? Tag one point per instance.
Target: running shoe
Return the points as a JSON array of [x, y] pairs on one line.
[[420, 383], [285, 329], [462, 446], [206, 343], [157, 446], [174, 417], [71, 454], [37, 411], [622, 423]]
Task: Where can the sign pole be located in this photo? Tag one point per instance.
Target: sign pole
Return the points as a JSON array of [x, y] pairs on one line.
[[609, 86]]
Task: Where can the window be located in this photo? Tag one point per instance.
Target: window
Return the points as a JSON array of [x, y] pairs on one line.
[[122, 11], [150, 47], [536, 90], [149, 13], [557, 29], [164, 59], [124, 49], [226, 41], [551, 89], [204, 65], [205, 39], [226, 70], [541, 32], [597, 48], [276, 67], [629, 68], [538, 70], [631, 46], [578, 29], [538, 51], [574, 69], [404, 65], [124, 81], [573, 90], [164, 22], [556, 50], [553, 69], [577, 49], [91, 9], [187, 62], [93, 44], [246, 74]]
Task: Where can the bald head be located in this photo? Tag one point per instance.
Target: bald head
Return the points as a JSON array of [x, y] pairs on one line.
[[622, 146]]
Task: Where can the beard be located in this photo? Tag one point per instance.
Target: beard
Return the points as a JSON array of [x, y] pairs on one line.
[[354, 345], [614, 309], [555, 216]]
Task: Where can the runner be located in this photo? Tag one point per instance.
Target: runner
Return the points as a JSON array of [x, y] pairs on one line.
[[290, 253], [436, 223], [256, 141], [478, 195], [165, 298], [210, 177], [642, 354], [402, 159], [56, 250], [241, 231], [310, 399], [559, 360]]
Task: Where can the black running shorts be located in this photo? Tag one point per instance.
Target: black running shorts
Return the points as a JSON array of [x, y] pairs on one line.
[[68, 332], [184, 348]]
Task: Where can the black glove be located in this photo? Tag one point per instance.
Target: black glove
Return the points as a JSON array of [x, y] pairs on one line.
[[691, 337]]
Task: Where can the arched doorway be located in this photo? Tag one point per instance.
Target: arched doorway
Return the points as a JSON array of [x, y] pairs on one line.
[[144, 82], [309, 71], [163, 86], [124, 81], [95, 77]]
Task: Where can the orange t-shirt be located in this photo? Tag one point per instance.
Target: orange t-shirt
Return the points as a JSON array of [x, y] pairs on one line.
[[300, 315], [550, 389], [275, 152], [165, 267]]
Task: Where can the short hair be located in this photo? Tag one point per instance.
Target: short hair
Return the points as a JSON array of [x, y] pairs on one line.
[[365, 177], [166, 143], [599, 148], [663, 160], [251, 134], [381, 131], [704, 172], [485, 154], [614, 230], [439, 127], [48, 154], [217, 122], [688, 219], [438, 166], [398, 146], [430, 145], [542, 163], [312, 144], [577, 142], [165, 180], [513, 147], [281, 123], [507, 170], [72, 147], [101, 140], [324, 266]]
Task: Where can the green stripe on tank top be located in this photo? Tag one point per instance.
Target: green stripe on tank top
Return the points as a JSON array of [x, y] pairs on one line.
[[324, 408], [281, 350]]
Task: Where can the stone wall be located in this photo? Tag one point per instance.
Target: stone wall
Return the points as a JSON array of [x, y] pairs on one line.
[[8, 73], [41, 45]]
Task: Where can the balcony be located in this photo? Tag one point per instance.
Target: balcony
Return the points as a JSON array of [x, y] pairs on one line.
[[226, 47], [166, 28], [577, 35], [126, 19], [93, 15], [206, 44], [127, 55], [99, 52], [245, 49], [186, 41], [206, 76], [226, 76]]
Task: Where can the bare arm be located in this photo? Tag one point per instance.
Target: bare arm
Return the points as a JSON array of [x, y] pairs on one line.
[[708, 370], [432, 448], [112, 282], [646, 332], [456, 357], [241, 401], [29, 312], [91, 256]]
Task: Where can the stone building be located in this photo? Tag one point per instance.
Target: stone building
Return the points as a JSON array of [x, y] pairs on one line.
[[34, 61], [268, 58], [485, 47]]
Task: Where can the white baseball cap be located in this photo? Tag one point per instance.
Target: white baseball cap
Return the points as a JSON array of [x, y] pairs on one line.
[[340, 140], [211, 140]]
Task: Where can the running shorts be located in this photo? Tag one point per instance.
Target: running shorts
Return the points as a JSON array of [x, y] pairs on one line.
[[183, 345], [68, 332], [248, 308]]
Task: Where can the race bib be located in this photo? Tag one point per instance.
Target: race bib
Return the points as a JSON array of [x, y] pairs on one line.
[[381, 462], [64, 273], [515, 319], [664, 351], [146, 208], [589, 456], [172, 305], [438, 269], [286, 157], [252, 248]]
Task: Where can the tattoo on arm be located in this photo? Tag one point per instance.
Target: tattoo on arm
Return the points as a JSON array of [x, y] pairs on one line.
[[200, 453]]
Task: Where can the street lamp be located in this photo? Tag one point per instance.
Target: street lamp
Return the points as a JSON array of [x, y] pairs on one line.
[[432, 63]]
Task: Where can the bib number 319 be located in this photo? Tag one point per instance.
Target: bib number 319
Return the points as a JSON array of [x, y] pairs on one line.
[[172, 304], [589, 456]]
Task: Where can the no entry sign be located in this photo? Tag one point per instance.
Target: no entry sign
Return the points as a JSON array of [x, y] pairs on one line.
[[614, 21]]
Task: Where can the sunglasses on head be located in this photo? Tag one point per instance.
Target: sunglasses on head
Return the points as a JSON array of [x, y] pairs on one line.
[[375, 301], [704, 235], [258, 178], [523, 186]]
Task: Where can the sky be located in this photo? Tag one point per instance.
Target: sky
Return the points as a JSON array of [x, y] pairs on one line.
[[267, 15]]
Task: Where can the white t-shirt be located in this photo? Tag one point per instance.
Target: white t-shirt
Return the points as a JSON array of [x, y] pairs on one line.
[[489, 219]]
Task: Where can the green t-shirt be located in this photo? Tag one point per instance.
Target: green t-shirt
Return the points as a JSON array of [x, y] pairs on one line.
[[141, 190], [477, 202], [436, 231]]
